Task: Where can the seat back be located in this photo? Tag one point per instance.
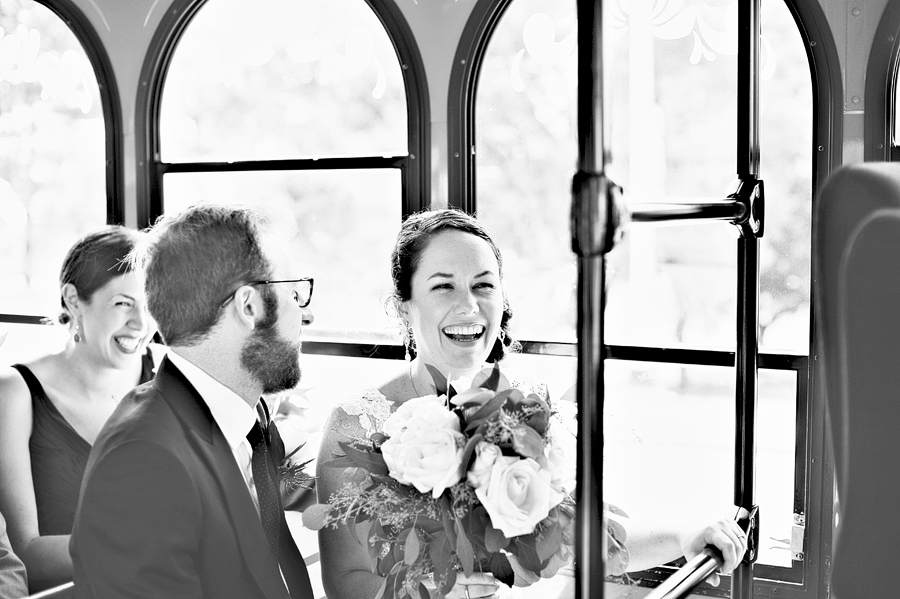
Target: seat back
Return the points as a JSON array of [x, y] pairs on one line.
[[856, 253]]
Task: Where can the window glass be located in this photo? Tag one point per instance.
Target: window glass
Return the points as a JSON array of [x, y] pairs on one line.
[[346, 222], [785, 116], [669, 439], [671, 119], [52, 159], [525, 157], [664, 70], [283, 79]]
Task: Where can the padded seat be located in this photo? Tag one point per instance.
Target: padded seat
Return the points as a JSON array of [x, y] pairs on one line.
[[857, 292]]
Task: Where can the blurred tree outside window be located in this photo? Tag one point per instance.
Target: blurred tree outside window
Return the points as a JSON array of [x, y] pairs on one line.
[[292, 80], [52, 163], [671, 114]]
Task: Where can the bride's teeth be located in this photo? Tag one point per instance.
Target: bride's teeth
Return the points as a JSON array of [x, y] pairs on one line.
[[464, 330]]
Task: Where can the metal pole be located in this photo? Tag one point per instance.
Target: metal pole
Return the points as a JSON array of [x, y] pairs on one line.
[[747, 284], [589, 222]]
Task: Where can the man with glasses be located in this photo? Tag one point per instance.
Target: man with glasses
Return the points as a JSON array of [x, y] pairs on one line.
[[180, 496]]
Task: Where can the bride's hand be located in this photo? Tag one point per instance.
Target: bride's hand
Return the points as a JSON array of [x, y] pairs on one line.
[[477, 586]]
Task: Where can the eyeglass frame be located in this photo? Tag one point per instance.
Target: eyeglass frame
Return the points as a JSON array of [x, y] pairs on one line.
[[272, 282]]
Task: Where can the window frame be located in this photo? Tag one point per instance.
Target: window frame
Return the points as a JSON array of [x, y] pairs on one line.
[[813, 470], [80, 26], [881, 109], [415, 167]]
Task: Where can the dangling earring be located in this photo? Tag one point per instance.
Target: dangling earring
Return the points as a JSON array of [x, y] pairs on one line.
[[501, 336], [407, 340], [77, 334]]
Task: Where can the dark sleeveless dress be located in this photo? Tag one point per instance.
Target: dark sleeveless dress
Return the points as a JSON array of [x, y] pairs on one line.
[[58, 456]]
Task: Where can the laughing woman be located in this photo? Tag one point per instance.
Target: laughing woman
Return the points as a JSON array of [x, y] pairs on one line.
[[52, 408], [448, 291]]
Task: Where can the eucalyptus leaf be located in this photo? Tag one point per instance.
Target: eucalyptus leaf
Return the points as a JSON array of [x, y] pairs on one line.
[[411, 547], [527, 442], [464, 549], [314, 517]]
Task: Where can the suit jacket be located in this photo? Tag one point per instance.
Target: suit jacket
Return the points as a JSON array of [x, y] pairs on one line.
[[164, 510]]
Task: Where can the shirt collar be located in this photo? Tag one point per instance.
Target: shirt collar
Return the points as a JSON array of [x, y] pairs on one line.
[[228, 409]]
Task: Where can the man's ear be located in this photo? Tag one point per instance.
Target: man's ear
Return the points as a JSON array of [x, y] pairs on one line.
[[247, 306], [70, 297]]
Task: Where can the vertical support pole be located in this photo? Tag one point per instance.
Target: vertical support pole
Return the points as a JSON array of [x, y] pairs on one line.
[[746, 395], [748, 281], [589, 221]]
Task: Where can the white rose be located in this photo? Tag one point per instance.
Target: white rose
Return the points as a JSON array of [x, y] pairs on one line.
[[426, 412], [485, 456], [518, 495], [429, 461]]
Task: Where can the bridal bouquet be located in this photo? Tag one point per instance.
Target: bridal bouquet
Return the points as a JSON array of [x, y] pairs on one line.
[[474, 481]]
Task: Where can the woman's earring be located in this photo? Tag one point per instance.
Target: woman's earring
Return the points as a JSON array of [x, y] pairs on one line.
[[407, 340], [77, 334]]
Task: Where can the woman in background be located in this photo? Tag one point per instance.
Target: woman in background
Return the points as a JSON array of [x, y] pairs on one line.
[[52, 408]]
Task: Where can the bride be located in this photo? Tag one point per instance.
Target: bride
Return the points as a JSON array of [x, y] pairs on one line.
[[448, 292]]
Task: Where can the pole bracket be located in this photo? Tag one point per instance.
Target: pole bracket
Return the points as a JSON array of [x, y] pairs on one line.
[[750, 193], [597, 214]]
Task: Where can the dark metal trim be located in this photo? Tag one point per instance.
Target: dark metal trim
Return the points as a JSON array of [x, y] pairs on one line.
[[827, 153], [110, 103], [464, 76], [724, 210], [881, 87], [23, 319], [416, 167], [300, 164]]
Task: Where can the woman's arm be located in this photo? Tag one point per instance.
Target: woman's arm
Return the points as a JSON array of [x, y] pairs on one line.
[[652, 543], [46, 558], [346, 567]]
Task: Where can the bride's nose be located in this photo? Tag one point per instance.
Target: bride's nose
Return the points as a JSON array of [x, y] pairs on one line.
[[466, 303]]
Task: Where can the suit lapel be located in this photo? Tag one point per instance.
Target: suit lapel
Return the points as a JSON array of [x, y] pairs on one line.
[[213, 449]]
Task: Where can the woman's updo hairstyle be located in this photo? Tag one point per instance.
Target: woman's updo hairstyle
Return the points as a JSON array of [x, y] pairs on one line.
[[94, 260], [415, 234]]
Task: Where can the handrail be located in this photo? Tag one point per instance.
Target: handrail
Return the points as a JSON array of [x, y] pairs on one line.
[[63, 590], [685, 579]]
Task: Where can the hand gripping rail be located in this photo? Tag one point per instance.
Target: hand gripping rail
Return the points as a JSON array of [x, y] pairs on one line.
[[702, 566]]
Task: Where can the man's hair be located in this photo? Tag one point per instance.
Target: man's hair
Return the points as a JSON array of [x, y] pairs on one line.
[[195, 260]]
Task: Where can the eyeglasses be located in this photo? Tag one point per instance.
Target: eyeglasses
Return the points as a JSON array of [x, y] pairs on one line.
[[302, 292]]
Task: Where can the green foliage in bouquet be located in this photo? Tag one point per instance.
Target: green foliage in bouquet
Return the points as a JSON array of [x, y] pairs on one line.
[[460, 483]]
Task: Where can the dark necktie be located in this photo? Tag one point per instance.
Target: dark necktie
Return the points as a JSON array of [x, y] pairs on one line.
[[272, 514]]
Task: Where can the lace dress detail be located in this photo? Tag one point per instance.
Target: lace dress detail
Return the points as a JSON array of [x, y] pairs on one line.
[[371, 409]]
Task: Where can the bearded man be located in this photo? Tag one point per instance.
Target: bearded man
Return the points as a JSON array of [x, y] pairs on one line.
[[180, 496]]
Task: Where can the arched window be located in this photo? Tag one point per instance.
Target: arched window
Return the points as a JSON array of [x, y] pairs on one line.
[[882, 87], [319, 107], [670, 111], [60, 160]]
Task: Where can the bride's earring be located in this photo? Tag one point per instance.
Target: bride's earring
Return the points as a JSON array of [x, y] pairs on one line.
[[407, 340], [77, 337]]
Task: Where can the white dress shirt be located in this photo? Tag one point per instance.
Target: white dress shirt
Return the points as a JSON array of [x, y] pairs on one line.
[[233, 415]]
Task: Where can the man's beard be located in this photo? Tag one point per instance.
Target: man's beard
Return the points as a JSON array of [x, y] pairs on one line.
[[271, 360]]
